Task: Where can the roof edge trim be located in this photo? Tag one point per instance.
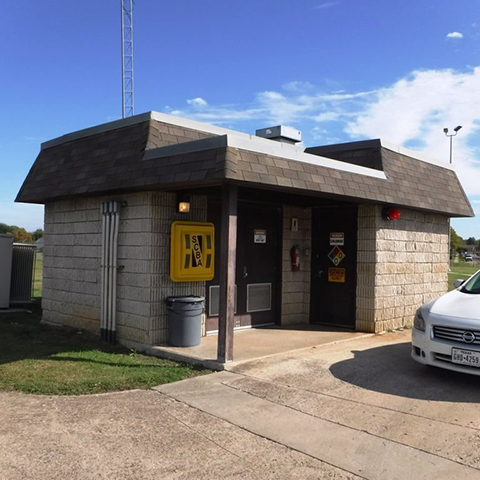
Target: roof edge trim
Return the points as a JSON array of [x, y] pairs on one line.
[[377, 143], [186, 147], [292, 152], [104, 127], [270, 147], [416, 155], [143, 117]]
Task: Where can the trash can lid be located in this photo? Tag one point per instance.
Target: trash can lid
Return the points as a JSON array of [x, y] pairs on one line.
[[185, 299]]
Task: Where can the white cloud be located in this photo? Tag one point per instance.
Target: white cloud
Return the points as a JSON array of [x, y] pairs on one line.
[[457, 35], [197, 102], [298, 86], [415, 110], [411, 112], [327, 117], [324, 5]]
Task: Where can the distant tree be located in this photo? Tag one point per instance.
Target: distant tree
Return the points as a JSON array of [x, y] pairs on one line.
[[38, 233], [20, 235], [456, 241], [471, 241]]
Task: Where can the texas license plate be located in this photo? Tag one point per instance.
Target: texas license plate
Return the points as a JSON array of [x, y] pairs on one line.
[[466, 357]]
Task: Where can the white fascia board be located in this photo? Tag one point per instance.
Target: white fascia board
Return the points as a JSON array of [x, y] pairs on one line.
[[292, 152], [416, 155]]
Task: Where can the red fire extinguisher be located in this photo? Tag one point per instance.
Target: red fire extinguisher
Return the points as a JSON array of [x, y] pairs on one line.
[[295, 254]]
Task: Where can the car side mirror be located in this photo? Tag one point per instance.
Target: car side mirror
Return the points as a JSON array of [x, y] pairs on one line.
[[458, 283]]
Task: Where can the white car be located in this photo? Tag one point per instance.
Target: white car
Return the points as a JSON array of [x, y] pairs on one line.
[[446, 331]]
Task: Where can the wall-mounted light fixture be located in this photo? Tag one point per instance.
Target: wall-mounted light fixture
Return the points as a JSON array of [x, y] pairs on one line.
[[183, 203], [391, 213]]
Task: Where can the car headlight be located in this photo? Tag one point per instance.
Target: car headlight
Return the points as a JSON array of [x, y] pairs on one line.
[[419, 322]]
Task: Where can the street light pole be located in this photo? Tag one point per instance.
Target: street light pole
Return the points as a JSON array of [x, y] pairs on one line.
[[451, 135]]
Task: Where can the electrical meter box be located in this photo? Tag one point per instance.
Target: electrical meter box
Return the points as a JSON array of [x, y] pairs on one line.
[[192, 252]]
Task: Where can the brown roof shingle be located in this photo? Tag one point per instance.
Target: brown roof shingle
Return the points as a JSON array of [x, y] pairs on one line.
[[152, 155]]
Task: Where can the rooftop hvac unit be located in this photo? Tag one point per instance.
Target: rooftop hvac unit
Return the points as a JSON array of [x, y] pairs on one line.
[[6, 249]]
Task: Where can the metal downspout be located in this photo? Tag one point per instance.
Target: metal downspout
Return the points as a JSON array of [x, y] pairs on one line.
[[103, 279], [116, 225], [108, 295]]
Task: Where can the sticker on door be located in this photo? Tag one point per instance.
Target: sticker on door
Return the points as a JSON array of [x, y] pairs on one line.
[[336, 255], [337, 238], [260, 236], [336, 275]]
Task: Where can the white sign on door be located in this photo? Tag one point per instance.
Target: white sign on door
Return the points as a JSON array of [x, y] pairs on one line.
[[260, 236], [337, 238]]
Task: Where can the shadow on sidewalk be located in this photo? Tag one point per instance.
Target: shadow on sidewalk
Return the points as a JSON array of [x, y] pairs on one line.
[[389, 369]]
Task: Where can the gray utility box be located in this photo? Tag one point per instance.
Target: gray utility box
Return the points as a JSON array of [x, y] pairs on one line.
[[6, 252], [184, 320]]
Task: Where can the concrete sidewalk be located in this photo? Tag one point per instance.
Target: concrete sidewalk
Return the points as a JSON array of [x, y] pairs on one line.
[[363, 406], [138, 435], [350, 449], [356, 409]]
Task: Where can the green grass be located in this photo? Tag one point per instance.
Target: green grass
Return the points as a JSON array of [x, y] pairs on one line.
[[47, 360], [37, 276], [461, 270]]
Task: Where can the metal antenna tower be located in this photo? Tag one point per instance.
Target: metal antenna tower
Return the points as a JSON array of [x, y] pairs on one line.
[[127, 58]]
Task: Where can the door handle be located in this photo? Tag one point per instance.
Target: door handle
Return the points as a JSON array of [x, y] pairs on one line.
[[245, 273], [319, 274]]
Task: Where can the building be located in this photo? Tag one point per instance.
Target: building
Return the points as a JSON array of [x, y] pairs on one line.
[[368, 220]]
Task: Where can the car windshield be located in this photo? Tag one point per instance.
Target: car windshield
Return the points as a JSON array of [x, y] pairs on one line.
[[472, 285]]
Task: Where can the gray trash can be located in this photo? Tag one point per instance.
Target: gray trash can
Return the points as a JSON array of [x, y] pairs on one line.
[[184, 320]]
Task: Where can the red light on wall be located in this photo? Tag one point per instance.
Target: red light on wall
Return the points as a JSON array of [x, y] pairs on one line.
[[391, 213]]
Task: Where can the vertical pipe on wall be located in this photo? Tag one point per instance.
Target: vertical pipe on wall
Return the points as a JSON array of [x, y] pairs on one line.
[[108, 295], [116, 220], [110, 263], [103, 278], [107, 273]]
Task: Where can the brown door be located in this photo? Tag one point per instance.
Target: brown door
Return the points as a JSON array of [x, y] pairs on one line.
[[334, 266], [258, 263]]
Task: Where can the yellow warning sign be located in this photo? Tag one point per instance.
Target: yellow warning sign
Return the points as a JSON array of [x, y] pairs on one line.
[[336, 275], [192, 252]]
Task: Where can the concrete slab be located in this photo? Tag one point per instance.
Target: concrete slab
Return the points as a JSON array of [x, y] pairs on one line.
[[138, 435], [256, 343], [358, 452]]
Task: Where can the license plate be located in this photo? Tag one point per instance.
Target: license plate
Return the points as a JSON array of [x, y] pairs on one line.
[[466, 357]]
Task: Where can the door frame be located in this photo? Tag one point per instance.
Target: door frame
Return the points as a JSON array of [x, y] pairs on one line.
[[277, 303], [315, 234]]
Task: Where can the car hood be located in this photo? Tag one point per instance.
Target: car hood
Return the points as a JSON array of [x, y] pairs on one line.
[[457, 304]]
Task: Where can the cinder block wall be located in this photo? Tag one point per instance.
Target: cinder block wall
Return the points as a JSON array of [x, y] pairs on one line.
[[71, 285], [296, 285], [401, 264], [163, 213]]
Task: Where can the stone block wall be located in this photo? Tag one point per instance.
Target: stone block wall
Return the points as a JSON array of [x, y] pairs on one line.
[[296, 285], [71, 288], [401, 264]]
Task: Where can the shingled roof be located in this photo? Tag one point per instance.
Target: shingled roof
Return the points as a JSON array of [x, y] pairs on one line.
[[156, 151]]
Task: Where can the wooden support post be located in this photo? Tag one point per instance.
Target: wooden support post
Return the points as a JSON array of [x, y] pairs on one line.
[[228, 253]]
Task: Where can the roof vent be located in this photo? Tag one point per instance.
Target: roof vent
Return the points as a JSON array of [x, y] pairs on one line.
[[280, 133]]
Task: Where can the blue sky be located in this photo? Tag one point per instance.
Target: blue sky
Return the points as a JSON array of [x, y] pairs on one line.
[[338, 70]]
